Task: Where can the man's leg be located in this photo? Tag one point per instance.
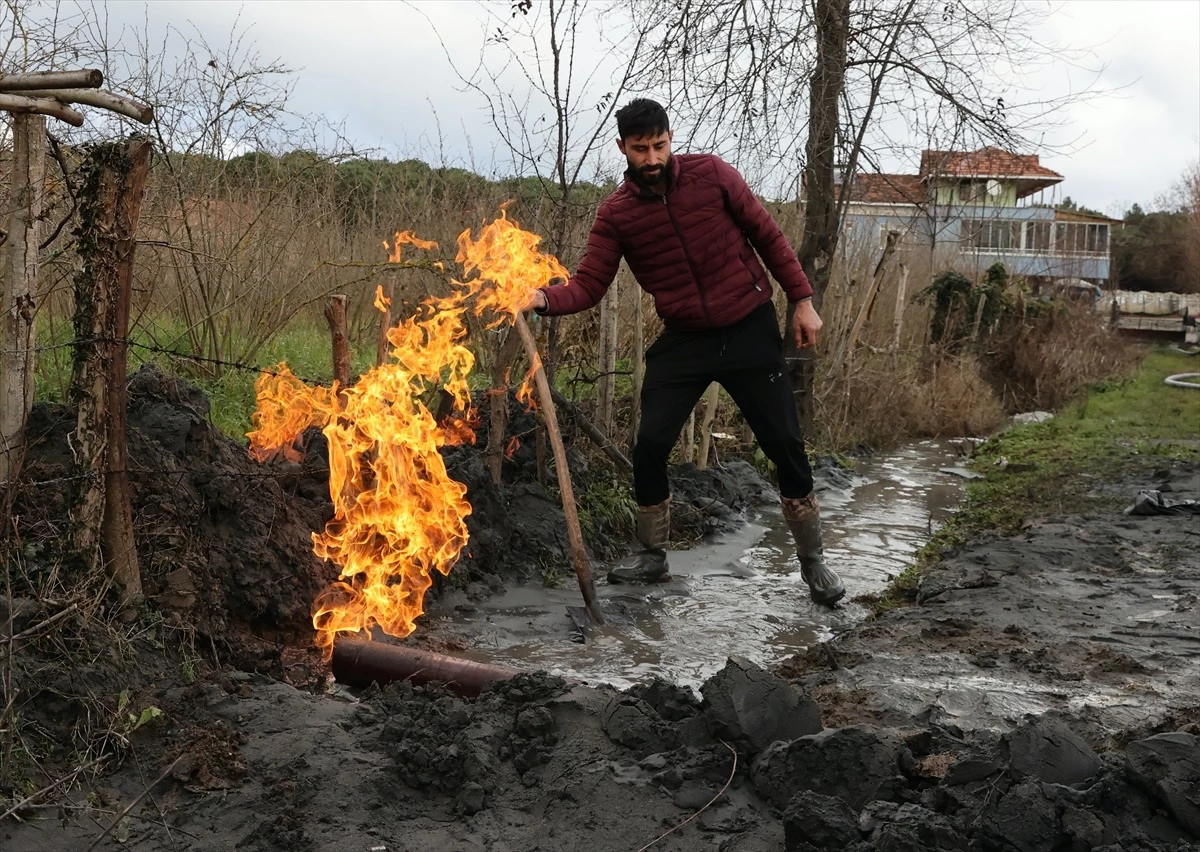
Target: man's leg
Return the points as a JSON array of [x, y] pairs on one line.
[[754, 376], [676, 376]]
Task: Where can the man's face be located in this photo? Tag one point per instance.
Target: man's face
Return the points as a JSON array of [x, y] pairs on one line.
[[647, 156]]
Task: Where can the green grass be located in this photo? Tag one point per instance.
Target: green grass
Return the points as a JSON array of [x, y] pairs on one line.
[[1053, 468]]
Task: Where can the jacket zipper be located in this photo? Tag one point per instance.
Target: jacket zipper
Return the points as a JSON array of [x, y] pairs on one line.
[[688, 257]]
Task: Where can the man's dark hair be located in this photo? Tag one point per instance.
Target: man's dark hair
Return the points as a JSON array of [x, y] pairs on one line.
[[642, 117]]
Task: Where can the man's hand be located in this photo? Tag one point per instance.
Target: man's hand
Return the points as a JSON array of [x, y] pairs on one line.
[[806, 325], [537, 302]]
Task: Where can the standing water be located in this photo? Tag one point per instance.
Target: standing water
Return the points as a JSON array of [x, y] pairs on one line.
[[740, 594]]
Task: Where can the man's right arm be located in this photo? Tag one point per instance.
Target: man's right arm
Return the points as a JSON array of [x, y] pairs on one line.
[[595, 273]]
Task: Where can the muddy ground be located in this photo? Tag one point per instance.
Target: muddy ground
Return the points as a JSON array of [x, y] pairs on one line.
[[1042, 694]]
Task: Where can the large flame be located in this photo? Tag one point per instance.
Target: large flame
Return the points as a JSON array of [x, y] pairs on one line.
[[398, 516]]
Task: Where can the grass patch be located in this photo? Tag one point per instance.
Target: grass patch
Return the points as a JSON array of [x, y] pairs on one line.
[[1055, 468]]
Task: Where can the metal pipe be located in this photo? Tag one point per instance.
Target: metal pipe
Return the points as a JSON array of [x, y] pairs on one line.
[[357, 663]]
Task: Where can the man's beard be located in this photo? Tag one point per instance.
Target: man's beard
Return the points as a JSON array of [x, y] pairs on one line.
[[648, 176]]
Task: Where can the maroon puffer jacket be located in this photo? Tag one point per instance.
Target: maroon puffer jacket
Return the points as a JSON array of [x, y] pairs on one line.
[[693, 249]]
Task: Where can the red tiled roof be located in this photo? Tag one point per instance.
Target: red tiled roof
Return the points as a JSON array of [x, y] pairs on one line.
[[986, 162], [888, 189]]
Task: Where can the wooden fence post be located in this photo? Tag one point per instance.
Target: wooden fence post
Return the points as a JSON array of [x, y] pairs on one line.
[[710, 412], [18, 292], [114, 177], [639, 365], [335, 314]]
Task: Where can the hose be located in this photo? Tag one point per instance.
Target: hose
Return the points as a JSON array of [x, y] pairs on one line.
[[1177, 381]]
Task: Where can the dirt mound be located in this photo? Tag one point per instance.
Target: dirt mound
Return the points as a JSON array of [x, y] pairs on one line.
[[225, 543]]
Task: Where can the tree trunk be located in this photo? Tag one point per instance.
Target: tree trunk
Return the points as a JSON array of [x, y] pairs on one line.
[[820, 208], [109, 209], [18, 291]]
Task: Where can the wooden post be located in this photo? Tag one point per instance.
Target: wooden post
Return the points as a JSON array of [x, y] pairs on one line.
[[900, 307], [335, 314], [983, 297], [506, 353], [710, 412], [117, 540], [605, 389], [385, 323], [18, 293], [846, 356], [639, 365], [689, 438], [583, 569], [109, 209]]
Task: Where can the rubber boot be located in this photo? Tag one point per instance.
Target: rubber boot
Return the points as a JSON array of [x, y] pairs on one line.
[[803, 515], [653, 532]]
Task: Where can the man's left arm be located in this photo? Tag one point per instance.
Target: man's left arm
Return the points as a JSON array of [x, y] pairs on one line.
[[773, 247]]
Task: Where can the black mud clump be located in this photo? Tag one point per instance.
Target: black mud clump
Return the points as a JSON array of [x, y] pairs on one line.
[[223, 543], [441, 744]]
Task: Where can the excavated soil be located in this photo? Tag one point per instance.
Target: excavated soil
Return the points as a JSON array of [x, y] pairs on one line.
[[987, 717]]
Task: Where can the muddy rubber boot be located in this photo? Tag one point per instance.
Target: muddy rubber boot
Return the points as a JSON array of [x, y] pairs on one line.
[[653, 532], [803, 515]]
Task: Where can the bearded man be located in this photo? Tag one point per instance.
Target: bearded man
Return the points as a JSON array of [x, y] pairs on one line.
[[693, 233]]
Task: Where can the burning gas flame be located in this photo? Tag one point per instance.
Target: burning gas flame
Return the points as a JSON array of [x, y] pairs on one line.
[[398, 515]]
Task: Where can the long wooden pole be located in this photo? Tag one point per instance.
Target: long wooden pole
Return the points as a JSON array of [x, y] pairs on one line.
[[18, 290], [90, 78], [583, 570]]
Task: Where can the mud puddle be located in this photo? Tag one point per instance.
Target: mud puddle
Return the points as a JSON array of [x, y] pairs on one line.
[[740, 594]]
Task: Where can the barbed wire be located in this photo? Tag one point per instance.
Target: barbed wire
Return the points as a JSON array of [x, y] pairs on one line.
[[162, 350]]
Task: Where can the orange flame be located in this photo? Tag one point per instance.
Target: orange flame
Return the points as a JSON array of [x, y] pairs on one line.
[[507, 258], [398, 516]]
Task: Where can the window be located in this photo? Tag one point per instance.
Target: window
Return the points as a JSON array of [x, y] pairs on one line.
[[1037, 236], [1080, 238], [972, 190], [989, 235]]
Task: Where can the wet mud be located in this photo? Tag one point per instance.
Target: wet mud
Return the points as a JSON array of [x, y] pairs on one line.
[[1041, 695]]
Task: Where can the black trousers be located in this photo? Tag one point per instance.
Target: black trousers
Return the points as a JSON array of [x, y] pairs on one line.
[[747, 360]]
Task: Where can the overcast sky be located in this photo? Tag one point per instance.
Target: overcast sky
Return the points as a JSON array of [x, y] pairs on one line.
[[378, 67]]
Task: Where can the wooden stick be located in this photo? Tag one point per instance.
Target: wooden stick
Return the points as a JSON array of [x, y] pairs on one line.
[[134, 804], [583, 570], [639, 365], [40, 106], [900, 306], [70, 776], [95, 97], [335, 313], [602, 442], [90, 78], [385, 323], [710, 412]]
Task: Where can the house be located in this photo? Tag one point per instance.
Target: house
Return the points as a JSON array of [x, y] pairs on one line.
[[972, 209]]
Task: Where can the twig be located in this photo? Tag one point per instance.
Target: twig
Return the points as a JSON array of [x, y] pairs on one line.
[[134, 804], [69, 777], [720, 793], [59, 616]]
